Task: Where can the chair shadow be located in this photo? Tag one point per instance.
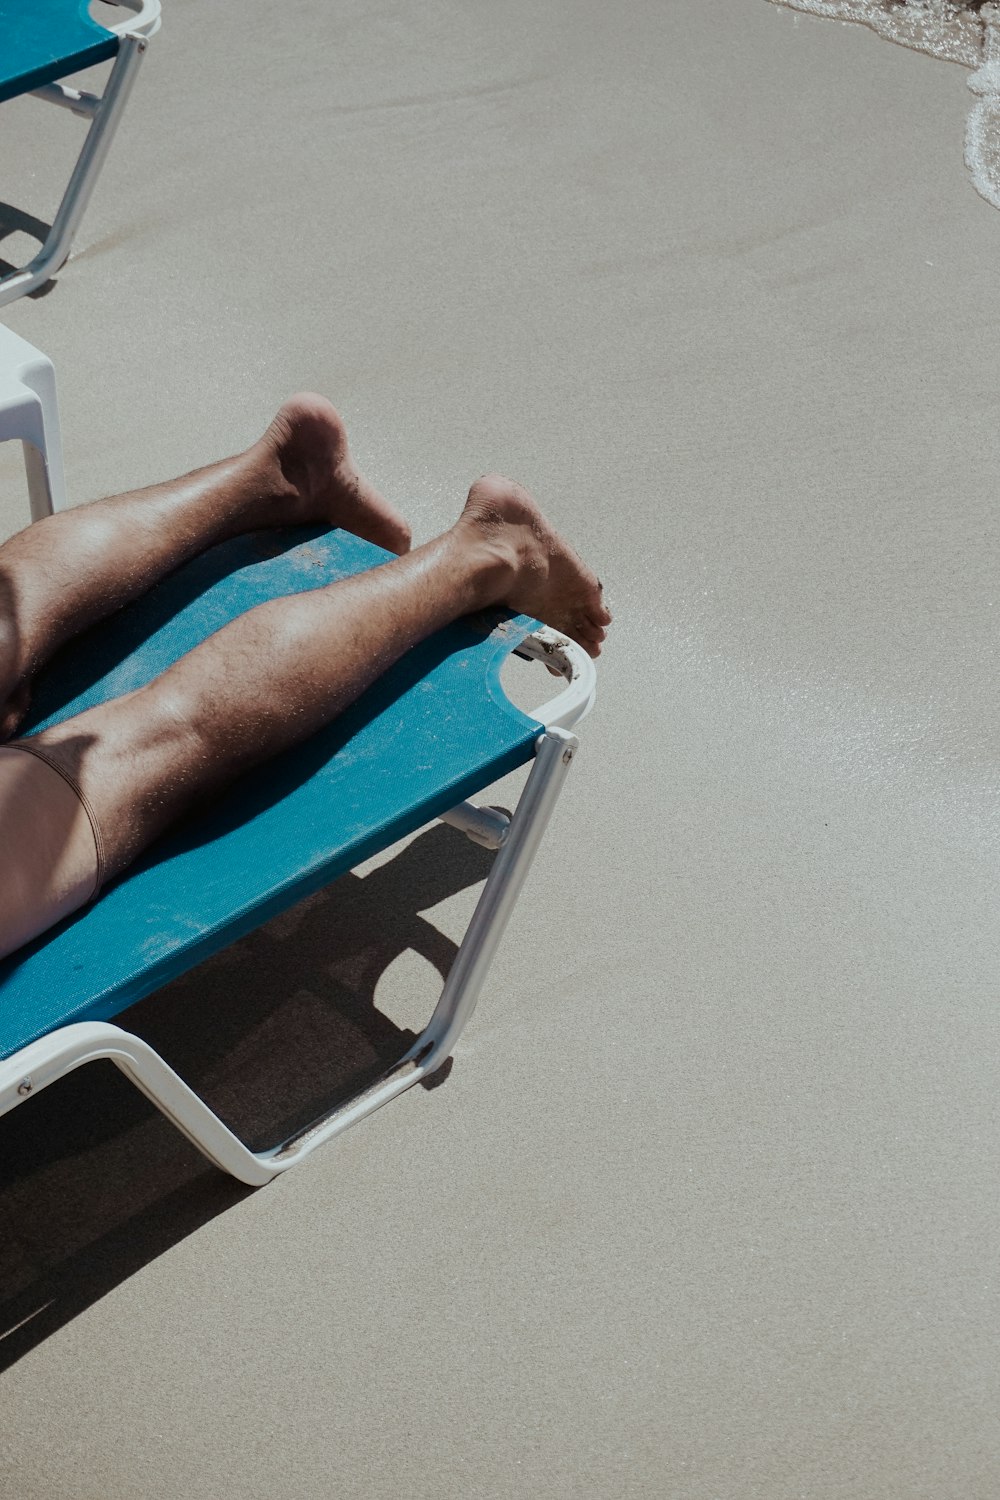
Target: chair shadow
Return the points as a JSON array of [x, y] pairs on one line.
[[271, 1032], [16, 221]]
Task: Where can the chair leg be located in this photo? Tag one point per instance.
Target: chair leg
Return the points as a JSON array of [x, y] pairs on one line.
[[33, 444], [32, 1069], [42, 443], [554, 754], [50, 1058], [107, 113]]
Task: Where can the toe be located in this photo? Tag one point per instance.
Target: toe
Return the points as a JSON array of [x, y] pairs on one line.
[[588, 636]]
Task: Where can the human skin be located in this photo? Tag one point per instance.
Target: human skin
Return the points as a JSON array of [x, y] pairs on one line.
[[278, 673]]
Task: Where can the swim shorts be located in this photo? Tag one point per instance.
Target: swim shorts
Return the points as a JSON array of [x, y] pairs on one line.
[[51, 851]]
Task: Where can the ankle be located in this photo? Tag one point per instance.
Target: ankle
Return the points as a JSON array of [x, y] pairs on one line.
[[305, 445], [489, 563], [267, 467], [254, 490]]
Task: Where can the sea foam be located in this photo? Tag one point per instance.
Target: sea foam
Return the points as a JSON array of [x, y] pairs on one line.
[[961, 31]]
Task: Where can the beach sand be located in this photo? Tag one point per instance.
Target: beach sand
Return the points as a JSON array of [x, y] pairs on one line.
[[961, 31], [707, 1206]]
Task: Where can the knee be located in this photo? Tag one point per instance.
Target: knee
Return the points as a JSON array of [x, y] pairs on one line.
[[166, 722]]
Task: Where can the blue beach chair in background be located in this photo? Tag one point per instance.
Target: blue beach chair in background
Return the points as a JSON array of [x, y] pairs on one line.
[[41, 43], [423, 740]]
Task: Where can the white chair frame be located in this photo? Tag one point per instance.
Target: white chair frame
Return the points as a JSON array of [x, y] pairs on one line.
[[516, 840]]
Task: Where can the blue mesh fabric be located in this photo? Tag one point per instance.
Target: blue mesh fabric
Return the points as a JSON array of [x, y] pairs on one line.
[[42, 40], [437, 728]]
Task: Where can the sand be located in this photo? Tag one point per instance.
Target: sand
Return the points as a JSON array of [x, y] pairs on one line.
[[962, 31], [707, 1206]]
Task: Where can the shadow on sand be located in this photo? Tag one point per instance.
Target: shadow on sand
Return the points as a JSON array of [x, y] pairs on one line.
[[15, 221], [271, 1032]]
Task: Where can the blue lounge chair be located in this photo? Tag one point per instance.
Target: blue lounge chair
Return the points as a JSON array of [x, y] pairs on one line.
[[41, 43], [433, 732]]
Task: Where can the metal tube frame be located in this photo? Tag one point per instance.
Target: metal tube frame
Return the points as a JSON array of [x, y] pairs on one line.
[[104, 112], [50, 1058], [489, 826]]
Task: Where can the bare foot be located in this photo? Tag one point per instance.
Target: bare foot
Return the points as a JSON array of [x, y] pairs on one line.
[[549, 581], [318, 479]]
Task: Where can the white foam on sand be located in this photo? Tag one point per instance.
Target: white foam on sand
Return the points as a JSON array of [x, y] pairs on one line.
[[961, 31]]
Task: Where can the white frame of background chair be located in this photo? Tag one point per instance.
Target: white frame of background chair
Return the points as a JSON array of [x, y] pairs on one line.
[[29, 412], [104, 112]]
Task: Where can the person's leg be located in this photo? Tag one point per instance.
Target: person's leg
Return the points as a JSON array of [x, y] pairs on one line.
[[63, 573], [281, 671]]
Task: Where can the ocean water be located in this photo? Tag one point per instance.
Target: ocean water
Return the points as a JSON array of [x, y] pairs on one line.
[[958, 31]]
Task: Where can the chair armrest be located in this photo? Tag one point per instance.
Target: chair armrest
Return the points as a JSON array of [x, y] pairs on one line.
[[575, 700], [146, 18]]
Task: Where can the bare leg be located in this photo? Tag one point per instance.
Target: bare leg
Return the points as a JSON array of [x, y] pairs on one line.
[[63, 573], [280, 672]]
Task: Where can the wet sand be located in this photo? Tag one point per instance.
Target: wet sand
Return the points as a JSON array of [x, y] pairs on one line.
[[707, 1205]]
